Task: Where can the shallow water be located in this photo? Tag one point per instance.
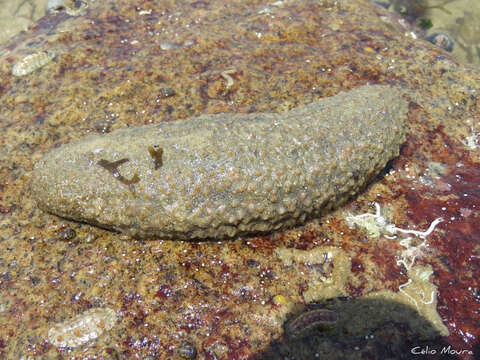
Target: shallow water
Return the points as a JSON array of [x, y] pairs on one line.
[[451, 24]]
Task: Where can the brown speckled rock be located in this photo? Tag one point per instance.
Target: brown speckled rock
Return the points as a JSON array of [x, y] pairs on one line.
[[110, 68]]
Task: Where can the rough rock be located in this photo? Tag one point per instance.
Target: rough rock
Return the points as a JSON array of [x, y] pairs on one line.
[[214, 300]]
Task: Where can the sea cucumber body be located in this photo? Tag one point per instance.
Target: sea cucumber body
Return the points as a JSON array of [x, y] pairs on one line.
[[226, 175]]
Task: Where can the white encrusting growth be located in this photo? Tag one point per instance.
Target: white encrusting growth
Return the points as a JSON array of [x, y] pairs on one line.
[[379, 226]]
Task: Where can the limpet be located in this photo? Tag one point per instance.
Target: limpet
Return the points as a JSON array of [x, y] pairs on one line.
[[32, 62], [82, 328]]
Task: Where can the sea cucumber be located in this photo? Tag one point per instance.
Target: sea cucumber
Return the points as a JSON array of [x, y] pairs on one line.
[[32, 62], [82, 328], [227, 175]]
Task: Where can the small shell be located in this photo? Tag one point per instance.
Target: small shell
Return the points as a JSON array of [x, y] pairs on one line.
[[442, 39], [32, 62], [82, 328]]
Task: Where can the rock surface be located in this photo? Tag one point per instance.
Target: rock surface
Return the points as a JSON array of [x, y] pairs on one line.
[[392, 271]]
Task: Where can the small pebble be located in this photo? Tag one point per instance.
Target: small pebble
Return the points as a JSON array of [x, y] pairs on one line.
[[67, 234], [187, 351], [167, 92], [102, 126]]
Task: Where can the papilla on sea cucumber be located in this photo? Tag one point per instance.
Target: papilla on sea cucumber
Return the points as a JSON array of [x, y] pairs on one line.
[[227, 175]]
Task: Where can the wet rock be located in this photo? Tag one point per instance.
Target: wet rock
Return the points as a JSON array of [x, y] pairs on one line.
[[285, 54]]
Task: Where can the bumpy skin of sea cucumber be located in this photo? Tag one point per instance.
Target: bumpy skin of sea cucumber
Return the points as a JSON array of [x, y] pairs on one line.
[[227, 175]]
